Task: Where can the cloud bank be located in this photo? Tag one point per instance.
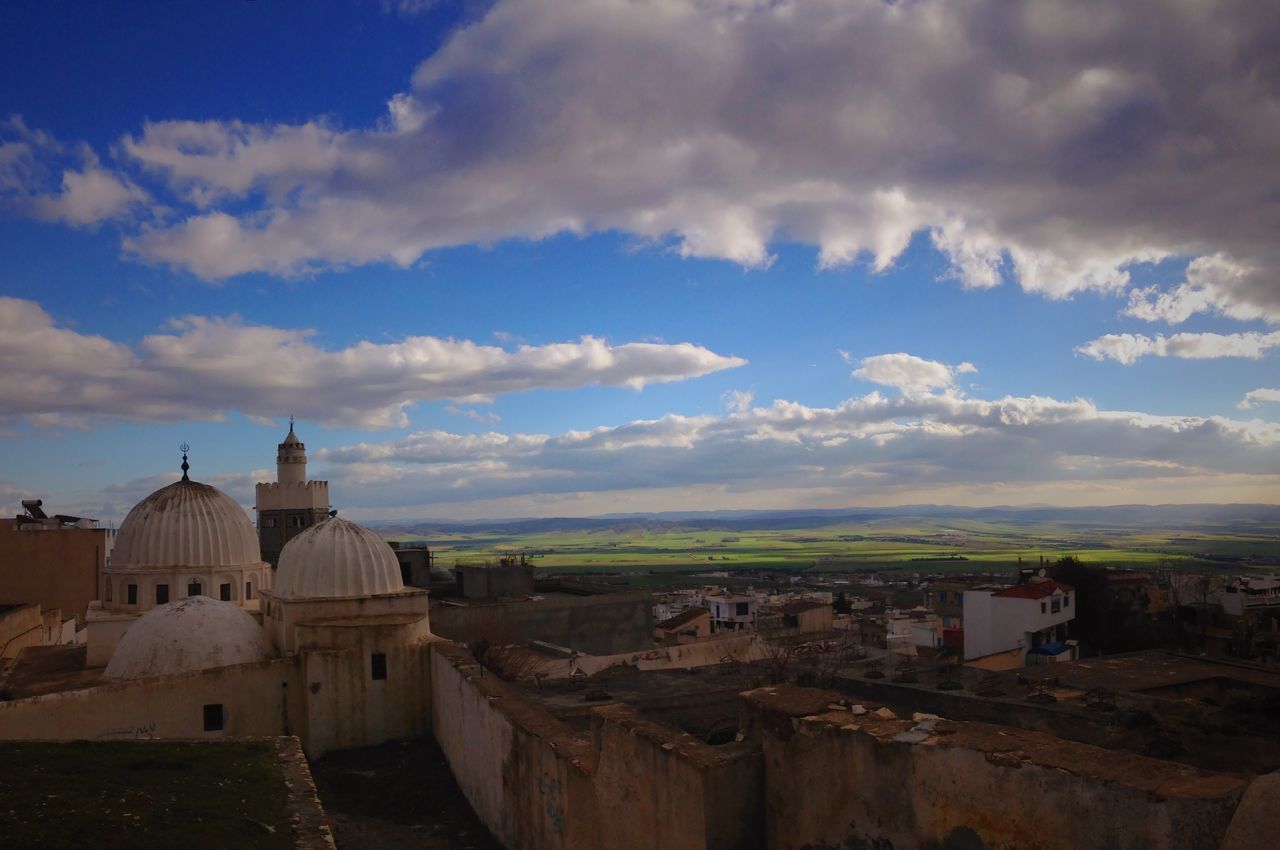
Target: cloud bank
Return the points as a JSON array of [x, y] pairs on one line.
[[1055, 143], [203, 367], [1129, 348], [868, 447]]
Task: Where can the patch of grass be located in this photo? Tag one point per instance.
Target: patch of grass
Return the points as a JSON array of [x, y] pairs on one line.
[[142, 795]]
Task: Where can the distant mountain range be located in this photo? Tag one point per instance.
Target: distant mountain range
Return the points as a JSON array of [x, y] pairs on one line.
[[1242, 517]]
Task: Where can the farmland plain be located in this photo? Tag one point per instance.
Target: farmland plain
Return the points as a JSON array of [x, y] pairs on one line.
[[917, 544]]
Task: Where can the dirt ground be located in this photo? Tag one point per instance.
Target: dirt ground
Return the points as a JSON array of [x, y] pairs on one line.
[[398, 795]]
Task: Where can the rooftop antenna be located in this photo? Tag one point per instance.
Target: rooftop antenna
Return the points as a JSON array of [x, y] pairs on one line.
[[185, 466]]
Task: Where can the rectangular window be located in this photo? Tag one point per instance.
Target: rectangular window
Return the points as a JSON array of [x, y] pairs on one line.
[[108, 591], [297, 521], [213, 717], [268, 522], [378, 665], [162, 594], [1055, 605], [406, 573], [743, 610], [1043, 608], [942, 597], [133, 594], [248, 590], [1066, 601], [959, 598], [193, 589], [224, 592]]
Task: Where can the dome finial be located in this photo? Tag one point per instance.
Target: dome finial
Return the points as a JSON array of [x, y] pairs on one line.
[[291, 422], [185, 466]]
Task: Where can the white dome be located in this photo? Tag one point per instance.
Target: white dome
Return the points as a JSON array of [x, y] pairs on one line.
[[195, 633], [186, 524], [337, 558]]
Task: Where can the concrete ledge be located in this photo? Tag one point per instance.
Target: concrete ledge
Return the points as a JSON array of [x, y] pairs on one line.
[[306, 813]]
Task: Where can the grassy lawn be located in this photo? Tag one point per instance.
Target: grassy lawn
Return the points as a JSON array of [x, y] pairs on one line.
[[127, 794]]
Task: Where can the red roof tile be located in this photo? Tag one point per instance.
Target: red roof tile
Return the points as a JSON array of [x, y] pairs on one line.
[[1033, 590]]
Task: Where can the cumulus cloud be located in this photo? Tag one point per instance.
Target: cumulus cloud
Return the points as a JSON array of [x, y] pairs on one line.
[[1261, 395], [909, 373], [202, 367], [1129, 348], [43, 178], [1213, 285], [1054, 143], [870, 446]]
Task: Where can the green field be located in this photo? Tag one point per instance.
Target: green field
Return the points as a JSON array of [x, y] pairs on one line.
[[920, 546]]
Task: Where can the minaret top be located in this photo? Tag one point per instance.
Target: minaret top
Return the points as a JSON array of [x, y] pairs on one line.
[[185, 466], [291, 439]]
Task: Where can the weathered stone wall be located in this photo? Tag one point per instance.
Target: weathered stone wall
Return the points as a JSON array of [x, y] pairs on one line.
[[603, 624], [839, 779], [347, 707], [634, 784], [263, 699]]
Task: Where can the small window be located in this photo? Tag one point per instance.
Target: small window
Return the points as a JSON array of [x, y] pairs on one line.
[[1043, 608], [133, 594], [1055, 605], [193, 589], [213, 717], [942, 597], [162, 594], [959, 598], [742, 609], [108, 591], [406, 573], [248, 590], [378, 665], [297, 521], [224, 592], [1066, 601], [268, 522]]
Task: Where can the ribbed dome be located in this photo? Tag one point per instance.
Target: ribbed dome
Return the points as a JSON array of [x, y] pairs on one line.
[[337, 558], [191, 634], [186, 524]]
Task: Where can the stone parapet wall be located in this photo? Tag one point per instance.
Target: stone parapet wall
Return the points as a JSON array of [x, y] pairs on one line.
[[633, 784], [837, 777]]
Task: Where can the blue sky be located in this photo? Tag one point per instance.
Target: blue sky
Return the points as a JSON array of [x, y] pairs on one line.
[[521, 258]]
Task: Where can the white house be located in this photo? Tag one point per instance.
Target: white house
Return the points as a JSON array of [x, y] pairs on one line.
[[1023, 617]]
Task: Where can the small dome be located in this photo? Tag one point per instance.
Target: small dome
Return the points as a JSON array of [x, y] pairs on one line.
[[337, 558], [195, 633], [186, 524]]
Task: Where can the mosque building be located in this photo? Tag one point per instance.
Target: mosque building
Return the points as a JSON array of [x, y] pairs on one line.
[[198, 637]]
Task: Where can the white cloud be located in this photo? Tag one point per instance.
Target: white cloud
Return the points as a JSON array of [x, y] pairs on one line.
[[1053, 143], [1262, 395], [1213, 285], [203, 367], [45, 179], [866, 448], [909, 373], [738, 400], [1129, 348]]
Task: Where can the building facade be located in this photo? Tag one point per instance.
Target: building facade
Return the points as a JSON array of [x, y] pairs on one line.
[[56, 562], [1023, 618]]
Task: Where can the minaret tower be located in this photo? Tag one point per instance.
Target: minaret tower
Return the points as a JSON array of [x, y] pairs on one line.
[[291, 504]]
